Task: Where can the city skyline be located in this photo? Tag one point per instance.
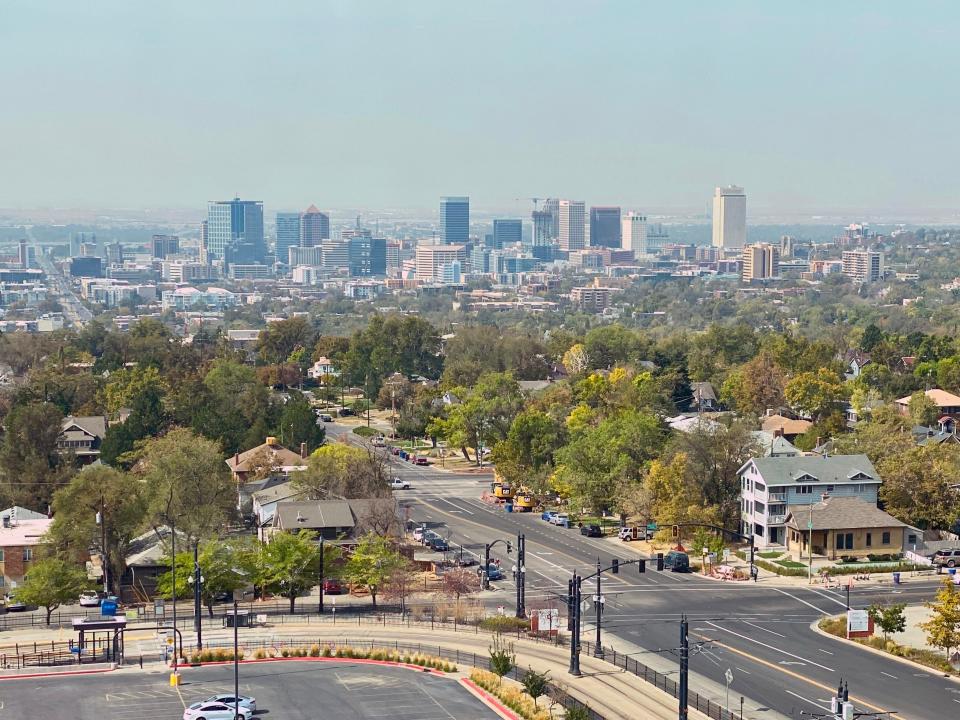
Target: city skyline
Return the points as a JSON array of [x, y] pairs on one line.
[[771, 98]]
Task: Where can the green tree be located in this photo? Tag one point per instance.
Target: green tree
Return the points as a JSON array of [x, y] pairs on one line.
[[534, 683], [52, 582], [190, 487], [280, 339], [943, 627], [755, 386], [30, 466], [816, 394], [225, 566], [889, 618], [372, 562], [147, 419], [289, 564], [339, 470], [923, 410], [298, 424], [125, 385], [916, 481], [75, 507], [502, 657]]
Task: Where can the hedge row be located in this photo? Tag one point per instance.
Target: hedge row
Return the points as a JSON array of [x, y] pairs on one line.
[[352, 653]]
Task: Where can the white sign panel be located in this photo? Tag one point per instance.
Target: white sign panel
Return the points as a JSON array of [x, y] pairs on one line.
[[548, 619], [857, 621]]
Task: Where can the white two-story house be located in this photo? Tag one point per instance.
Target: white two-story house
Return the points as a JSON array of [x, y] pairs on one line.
[[769, 484]]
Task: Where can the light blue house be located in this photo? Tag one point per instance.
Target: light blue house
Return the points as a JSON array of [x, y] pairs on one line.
[[769, 485]]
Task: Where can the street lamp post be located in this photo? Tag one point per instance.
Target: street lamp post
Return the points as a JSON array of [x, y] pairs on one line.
[[197, 581], [236, 663], [598, 604], [102, 522], [320, 609]]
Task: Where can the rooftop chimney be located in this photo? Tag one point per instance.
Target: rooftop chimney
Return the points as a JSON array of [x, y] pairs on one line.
[[778, 432], [300, 517]]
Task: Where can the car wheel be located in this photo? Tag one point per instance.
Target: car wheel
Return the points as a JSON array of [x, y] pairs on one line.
[[951, 563]]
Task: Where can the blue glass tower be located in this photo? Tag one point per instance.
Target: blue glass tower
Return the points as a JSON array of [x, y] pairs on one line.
[[454, 220]]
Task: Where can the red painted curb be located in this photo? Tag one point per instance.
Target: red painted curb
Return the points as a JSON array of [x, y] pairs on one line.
[[490, 700], [56, 674], [362, 661]]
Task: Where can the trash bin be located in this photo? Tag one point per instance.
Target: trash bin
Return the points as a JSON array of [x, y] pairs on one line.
[[242, 619], [951, 571], [509, 507], [108, 608], [896, 578]]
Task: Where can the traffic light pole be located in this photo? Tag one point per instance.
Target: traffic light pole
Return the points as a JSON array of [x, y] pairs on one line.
[[684, 668], [575, 634], [521, 575], [598, 605]]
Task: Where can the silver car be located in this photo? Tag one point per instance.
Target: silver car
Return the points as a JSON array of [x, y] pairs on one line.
[[247, 704]]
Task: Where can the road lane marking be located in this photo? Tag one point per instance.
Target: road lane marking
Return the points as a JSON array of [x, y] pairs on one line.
[[784, 592], [828, 597], [825, 651], [746, 672], [889, 675], [770, 647], [812, 702], [747, 622]]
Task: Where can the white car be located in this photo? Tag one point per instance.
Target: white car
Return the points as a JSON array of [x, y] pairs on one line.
[[214, 711], [418, 533], [247, 704], [398, 484], [89, 598], [560, 519]]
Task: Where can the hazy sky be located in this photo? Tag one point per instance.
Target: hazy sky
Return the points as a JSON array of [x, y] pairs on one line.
[[819, 105]]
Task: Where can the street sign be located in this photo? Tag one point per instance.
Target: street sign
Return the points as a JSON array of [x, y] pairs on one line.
[[158, 608], [585, 605], [548, 619], [858, 621], [728, 676], [809, 524], [726, 554]]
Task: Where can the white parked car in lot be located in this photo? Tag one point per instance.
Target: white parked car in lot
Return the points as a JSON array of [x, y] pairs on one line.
[[89, 598], [214, 711], [398, 484], [247, 704], [560, 519]]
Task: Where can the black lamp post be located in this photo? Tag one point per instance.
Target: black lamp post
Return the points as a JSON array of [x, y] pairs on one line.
[[197, 581], [320, 610]]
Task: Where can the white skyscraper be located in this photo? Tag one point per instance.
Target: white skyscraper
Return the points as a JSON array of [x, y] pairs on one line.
[[633, 234], [729, 217], [573, 234]]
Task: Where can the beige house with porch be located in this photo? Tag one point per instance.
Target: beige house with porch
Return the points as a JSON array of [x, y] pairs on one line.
[[843, 526]]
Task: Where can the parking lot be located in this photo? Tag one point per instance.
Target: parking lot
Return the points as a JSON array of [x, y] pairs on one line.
[[288, 690]]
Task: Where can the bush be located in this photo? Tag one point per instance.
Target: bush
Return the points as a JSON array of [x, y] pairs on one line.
[[314, 651], [327, 651], [260, 654], [510, 695], [284, 652], [504, 624], [364, 431]]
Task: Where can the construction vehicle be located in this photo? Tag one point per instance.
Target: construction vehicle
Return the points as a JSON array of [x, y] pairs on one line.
[[524, 501], [503, 491]]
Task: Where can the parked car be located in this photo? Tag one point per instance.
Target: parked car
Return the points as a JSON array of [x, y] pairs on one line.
[[394, 451], [627, 533], [332, 586], [89, 598], [561, 519], [398, 484], [15, 605], [494, 572], [247, 704], [465, 561], [344, 412], [418, 533], [677, 561], [591, 530], [379, 441], [326, 417], [428, 535], [947, 558], [214, 711], [421, 461], [548, 515], [438, 544]]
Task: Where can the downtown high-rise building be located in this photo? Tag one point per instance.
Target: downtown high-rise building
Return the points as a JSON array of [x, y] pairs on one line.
[[454, 220], [729, 217], [162, 246], [288, 234], [314, 227], [234, 232], [634, 234], [604, 226], [572, 233], [507, 232], [760, 262], [862, 266]]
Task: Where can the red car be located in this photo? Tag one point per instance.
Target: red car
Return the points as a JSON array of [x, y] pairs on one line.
[[332, 587], [421, 461]]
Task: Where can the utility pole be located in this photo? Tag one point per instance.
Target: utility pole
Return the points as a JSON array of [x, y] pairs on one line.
[[575, 636], [197, 580], [320, 608], [104, 563], [684, 668], [521, 574], [598, 606]]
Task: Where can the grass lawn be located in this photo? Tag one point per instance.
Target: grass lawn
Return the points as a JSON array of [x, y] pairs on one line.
[[770, 554], [790, 564]]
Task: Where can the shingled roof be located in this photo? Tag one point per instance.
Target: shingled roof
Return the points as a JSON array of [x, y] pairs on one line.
[[840, 513]]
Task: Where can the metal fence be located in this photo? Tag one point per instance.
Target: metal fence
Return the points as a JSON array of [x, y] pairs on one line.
[[710, 708], [18, 656], [455, 655]]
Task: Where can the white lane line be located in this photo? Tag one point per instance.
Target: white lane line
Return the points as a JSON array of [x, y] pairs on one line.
[[828, 597], [536, 556], [889, 675], [747, 622], [825, 651], [784, 592], [468, 512], [769, 647], [812, 702], [745, 672]]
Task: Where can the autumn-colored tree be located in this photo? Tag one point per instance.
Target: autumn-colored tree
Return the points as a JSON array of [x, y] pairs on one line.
[[943, 627], [755, 386]]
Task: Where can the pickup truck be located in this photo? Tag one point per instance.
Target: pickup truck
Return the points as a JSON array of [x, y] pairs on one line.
[[398, 484]]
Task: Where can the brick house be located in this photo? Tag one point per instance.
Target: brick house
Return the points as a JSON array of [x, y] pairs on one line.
[[18, 541]]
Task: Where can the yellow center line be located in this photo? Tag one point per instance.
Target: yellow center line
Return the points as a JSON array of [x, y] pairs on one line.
[[785, 671]]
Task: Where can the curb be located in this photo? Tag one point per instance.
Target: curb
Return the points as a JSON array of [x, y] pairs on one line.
[[56, 674], [361, 661], [905, 661], [489, 700]]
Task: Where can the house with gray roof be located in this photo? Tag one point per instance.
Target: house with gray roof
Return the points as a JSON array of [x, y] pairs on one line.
[[843, 526], [81, 436], [341, 520], [769, 485]]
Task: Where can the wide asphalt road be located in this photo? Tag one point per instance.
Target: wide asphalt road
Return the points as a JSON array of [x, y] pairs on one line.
[[758, 631]]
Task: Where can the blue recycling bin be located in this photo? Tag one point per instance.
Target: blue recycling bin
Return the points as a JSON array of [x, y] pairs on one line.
[[509, 507], [108, 608], [951, 571], [896, 578]]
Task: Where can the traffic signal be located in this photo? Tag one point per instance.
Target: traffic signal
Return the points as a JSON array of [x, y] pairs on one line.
[[615, 569], [509, 547], [642, 565], [676, 531], [659, 561]]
